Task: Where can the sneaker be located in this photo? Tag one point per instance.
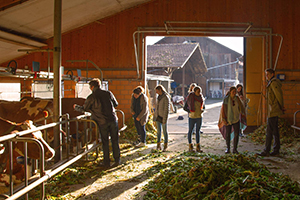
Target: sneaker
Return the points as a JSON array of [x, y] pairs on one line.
[[137, 142], [227, 151], [274, 153], [142, 144], [266, 154]]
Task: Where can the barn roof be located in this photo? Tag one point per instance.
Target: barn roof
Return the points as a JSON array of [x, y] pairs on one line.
[[176, 56]]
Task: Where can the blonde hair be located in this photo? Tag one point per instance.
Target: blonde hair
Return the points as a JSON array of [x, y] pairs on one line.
[[192, 85]]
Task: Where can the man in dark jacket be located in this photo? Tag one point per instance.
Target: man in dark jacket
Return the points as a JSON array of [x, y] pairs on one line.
[[101, 104], [275, 109]]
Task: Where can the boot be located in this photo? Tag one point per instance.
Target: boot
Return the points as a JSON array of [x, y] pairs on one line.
[[198, 148], [227, 144], [235, 144], [191, 148], [158, 146], [165, 146]]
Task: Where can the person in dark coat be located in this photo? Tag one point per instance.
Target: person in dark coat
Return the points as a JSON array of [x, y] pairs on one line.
[[101, 104], [140, 112]]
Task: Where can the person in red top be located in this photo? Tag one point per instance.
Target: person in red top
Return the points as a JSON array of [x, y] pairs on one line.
[[195, 102]]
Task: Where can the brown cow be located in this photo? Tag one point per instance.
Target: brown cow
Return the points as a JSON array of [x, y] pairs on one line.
[[67, 107], [18, 150], [14, 113], [26, 109]]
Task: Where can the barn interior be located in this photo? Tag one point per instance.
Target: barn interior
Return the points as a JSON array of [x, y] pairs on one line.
[[63, 44]]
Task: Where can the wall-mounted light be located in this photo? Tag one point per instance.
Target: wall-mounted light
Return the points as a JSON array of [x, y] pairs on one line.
[[281, 77]]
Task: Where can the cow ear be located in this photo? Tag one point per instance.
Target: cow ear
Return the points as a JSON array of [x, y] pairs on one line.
[[46, 113]]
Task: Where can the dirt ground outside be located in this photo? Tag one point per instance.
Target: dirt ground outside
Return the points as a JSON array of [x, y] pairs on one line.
[[127, 180]]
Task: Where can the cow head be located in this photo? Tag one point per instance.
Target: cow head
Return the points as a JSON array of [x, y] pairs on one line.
[[33, 149]]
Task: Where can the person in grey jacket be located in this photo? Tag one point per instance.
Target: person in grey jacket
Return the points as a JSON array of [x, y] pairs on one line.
[[101, 104], [275, 109], [140, 112], [161, 115]]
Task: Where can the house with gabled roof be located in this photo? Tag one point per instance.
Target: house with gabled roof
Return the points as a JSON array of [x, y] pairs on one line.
[[224, 68], [183, 63]]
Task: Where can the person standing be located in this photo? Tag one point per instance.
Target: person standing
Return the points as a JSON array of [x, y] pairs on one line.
[[240, 93], [231, 110], [101, 104], [140, 112], [275, 110], [191, 89], [195, 102], [161, 115]]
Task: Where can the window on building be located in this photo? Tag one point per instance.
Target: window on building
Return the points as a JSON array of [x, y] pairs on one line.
[[42, 89], [83, 89], [10, 91]]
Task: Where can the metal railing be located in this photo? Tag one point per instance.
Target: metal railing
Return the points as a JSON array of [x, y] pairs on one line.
[[294, 126], [67, 158]]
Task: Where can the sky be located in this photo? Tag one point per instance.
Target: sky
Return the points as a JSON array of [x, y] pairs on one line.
[[234, 43]]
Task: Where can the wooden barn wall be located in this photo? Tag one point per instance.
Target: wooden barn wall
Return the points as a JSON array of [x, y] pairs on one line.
[[108, 42]]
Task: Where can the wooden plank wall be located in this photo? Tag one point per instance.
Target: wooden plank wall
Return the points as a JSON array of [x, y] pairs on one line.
[[108, 42]]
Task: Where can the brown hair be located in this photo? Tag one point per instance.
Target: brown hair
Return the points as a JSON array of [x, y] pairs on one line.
[[270, 70], [95, 82], [242, 90], [197, 88], [161, 88], [230, 89], [138, 90]]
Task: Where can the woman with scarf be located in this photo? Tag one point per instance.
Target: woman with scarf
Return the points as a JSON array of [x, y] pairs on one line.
[[161, 115], [231, 110], [140, 112], [195, 102]]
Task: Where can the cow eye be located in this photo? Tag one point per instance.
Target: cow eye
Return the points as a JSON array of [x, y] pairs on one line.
[[46, 114]]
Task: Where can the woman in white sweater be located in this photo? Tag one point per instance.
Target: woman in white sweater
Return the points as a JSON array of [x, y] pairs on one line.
[[161, 115]]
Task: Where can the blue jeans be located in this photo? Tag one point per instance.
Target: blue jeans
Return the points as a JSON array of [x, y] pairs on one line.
[[192, 122], [164, 127], [140, 130], [110, 128]]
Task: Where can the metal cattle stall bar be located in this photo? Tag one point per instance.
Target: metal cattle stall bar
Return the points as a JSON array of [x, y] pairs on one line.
[[66, 160]]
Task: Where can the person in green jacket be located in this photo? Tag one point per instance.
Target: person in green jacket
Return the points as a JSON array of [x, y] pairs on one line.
[[275, 110]]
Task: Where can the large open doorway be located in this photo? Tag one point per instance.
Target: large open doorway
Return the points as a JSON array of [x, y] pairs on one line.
[[225, 65], [214, 63]]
